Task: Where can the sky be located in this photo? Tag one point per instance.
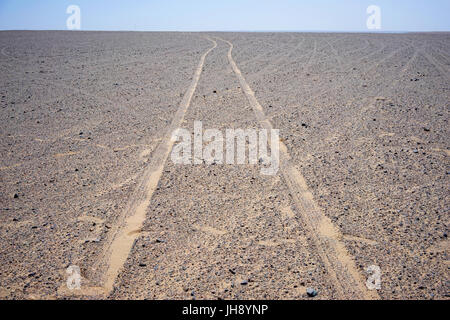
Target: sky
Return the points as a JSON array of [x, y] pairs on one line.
[[227, 15]]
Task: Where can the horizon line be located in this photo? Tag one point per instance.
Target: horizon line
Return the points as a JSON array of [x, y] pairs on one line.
[[238, 31]]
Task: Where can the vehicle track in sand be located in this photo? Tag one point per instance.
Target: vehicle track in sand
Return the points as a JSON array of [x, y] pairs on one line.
[[364, 144], [327, 239], [129, 224], [439, 67]]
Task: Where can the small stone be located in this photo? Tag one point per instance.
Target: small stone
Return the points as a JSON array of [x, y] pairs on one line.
[[416, 151], [245, 282], [311, 292], [142, 264], [16, 195]]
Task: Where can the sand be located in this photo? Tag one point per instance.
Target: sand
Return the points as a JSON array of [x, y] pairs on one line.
[[87, 179]]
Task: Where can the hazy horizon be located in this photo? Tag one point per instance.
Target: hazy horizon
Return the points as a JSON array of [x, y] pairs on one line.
[[230, 16]]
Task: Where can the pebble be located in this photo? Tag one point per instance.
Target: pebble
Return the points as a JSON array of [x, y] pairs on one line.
[[311, 292]]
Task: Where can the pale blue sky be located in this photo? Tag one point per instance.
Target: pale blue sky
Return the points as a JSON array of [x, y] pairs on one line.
[[226, 15]]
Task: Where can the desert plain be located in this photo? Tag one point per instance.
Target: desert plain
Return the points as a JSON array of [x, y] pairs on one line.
[[86, 177]]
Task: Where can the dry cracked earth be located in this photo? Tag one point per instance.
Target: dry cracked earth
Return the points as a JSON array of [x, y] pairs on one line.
[[86, 176]]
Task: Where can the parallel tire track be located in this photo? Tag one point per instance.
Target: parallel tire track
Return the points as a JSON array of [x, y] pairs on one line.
[[131, 220], [347, 281], [439, 67]]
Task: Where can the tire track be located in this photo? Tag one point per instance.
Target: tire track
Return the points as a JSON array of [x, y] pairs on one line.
[[439, 67], [281, 56], [336, 54], [312, 96], [125, 107], [349, 66], [349, 284], [366, 73], [130, 222], [370, 102], [277, 51], [100, 63], [275, 64], [83, 92]]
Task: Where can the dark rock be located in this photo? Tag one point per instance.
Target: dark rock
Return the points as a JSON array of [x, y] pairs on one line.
[[311, 292]]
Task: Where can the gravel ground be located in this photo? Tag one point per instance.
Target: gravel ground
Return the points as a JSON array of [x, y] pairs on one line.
[[364, 118]]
